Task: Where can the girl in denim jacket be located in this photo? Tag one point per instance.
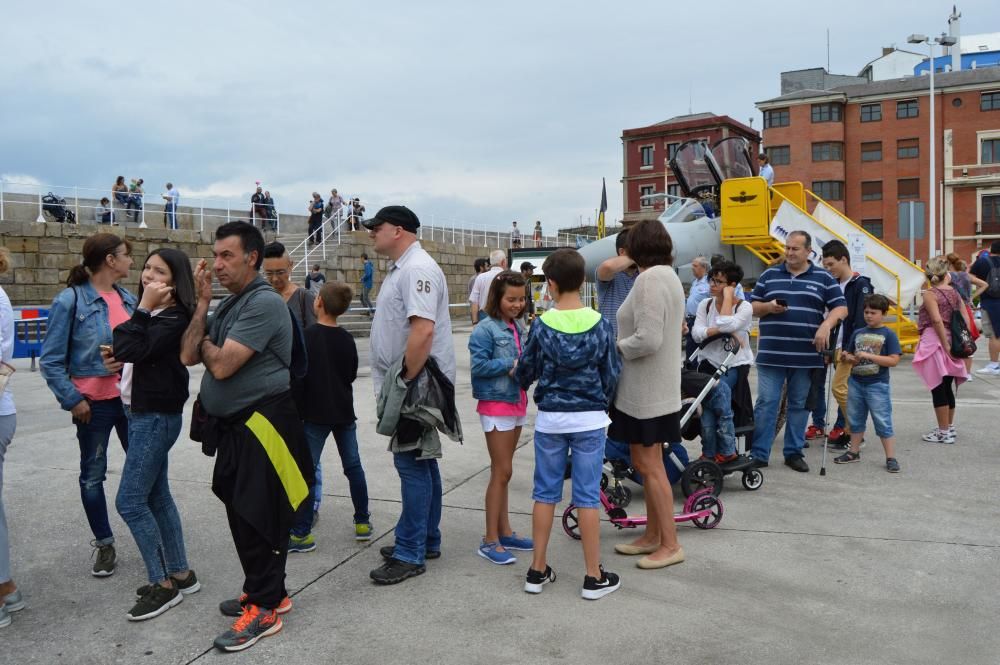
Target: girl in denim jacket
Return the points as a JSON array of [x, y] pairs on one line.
[[494, 347]]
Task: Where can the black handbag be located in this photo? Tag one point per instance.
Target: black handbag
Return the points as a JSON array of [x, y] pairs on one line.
[[962, 345]]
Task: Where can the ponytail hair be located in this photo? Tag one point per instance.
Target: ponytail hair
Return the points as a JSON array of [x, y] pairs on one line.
[[956, 262], [96, 248], [936, 270]]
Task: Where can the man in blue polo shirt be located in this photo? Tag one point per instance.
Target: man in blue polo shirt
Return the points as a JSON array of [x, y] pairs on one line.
[[790, 300]]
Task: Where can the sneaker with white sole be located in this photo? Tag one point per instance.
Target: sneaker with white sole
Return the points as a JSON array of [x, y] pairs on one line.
[[989, 370], [939, 436], [104, 565], [252, 625], [14, 602], [5, 619], [186, 586], [493, 553], [155, 602], [535, 580], [594, 588]]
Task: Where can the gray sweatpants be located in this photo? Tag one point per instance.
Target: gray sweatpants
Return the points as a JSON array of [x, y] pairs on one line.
[[7, 426]]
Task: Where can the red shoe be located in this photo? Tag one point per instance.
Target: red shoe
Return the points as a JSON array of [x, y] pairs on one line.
[[836, 434], [814, 433], [725, 459]]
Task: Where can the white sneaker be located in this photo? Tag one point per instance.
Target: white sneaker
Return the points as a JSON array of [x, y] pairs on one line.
[[939, 436], [989, 370]]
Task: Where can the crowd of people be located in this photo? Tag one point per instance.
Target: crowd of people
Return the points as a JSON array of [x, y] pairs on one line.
[[279, 375]]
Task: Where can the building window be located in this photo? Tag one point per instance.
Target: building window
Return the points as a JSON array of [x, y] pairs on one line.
[[829, 190], [646, 152], [907, 109], [873, 226], [776, 118], [908, 188], [826, 112], [989, 101], [907, 148], [871, 190], [871, 152], [990, 152], [779, 155], [991, 214], [674, 190], [831, 151], [646, 190], [672, 150], [871, 112]]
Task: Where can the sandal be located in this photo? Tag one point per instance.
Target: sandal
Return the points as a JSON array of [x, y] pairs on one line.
[[847, 458]]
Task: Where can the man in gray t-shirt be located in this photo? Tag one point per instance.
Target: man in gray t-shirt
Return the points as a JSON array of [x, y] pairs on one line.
[[615, 278]]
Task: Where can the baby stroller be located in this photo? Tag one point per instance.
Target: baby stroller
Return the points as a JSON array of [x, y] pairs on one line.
[[55, 207]]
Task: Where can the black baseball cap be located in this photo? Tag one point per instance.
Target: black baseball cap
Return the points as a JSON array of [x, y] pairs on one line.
[[527, 266], [400, 216]]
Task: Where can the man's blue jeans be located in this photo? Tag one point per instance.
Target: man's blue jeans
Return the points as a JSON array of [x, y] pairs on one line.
[[93, 437], [171, 212], [346, 437], [718, 435], [144, 499], [418, 529], [770, 380], [817, 397]]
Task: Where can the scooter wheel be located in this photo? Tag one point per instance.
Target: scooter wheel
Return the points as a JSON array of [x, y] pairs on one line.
[[571, 522], [752, 479], [620, 496], [712, 504], [700, 475]]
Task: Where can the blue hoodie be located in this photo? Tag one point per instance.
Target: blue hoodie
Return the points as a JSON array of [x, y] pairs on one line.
[[572, 355]]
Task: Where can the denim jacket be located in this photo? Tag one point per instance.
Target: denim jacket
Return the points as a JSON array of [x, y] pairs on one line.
[[492, 352], [90, 329]]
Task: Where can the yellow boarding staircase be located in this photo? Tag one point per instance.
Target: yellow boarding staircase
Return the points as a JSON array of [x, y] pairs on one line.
[[759, 218]]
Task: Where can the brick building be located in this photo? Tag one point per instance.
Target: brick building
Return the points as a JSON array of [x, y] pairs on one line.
[[865, 149], [647, 151]]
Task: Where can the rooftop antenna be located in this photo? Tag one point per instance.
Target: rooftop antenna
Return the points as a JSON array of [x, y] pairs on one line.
[[690, 96], [828, 50]]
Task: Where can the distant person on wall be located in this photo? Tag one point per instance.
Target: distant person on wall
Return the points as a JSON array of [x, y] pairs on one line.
[[258, 211], [766, 170], [334, 207], [272, 212], [357, 214], [135, 198], [102, 213], [367, 282], [515, 236], [120, 191], [315, 280], [315, 219], [171, 199], [537, 235], [481, 287]]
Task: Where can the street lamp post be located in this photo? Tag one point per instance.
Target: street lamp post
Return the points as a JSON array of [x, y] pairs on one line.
[[943, 40]]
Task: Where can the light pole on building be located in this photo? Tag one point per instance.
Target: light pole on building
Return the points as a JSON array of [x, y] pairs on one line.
[[943, 40]]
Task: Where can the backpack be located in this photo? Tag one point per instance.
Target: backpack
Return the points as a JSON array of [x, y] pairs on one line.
[[993, 279]]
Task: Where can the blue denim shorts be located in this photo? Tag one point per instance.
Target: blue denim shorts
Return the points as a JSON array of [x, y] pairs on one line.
[[869, 398], [551, 456]]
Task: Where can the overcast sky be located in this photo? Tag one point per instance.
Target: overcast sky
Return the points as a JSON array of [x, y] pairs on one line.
[[477, 112]]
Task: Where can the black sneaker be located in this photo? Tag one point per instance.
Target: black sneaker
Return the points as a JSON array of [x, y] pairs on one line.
[[155, 602], [797, 463], [535, 580], [187, 586], [105, 563], [891, 465], [395, 571], [758, 464], [387, 552], [598, 588]]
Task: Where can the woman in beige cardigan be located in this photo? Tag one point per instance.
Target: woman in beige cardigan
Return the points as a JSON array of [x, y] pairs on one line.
[[646, 410]]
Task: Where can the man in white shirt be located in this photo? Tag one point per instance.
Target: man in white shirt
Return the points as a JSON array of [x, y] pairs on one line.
[[481, 287], [171, 198], [515, 236], [766, 170]]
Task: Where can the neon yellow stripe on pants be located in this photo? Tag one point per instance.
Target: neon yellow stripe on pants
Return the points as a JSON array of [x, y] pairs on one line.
[[281, 459]]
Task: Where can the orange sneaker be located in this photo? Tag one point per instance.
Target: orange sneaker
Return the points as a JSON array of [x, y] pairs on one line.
[[252, 625], [234, 607]]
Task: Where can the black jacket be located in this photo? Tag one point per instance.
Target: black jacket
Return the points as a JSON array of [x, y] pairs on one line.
[[153, 345], [858, 288]]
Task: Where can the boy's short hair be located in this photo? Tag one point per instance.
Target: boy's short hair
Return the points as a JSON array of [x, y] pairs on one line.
[[729, 271], [497, 288], [649, 244], [565, 267], [835, 249], [620, 239], [336, 298], [877, 301]]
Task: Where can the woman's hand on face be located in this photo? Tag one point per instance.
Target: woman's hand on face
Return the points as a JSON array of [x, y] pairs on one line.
[[155, 295], [729, 291]]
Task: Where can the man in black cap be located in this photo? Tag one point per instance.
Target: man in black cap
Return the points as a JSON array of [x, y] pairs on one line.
[[411, 321], [527, 271]]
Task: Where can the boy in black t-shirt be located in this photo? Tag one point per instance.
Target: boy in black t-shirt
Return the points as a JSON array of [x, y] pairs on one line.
[[328, 407]]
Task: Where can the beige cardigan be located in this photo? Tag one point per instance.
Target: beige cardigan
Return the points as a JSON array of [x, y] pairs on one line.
[[649, 339]]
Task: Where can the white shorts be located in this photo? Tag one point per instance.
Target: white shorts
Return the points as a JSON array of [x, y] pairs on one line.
[[502, 423]]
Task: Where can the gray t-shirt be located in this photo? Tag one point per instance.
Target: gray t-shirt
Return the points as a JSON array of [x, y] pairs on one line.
[[261, 322], [414, 286], [301, 304]]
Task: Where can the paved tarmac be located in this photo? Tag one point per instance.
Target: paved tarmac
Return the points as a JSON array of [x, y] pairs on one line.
[[859, 566]]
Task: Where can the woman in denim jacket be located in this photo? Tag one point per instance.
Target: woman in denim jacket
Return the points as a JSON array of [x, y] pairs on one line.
[[494, 347], [81, 319]]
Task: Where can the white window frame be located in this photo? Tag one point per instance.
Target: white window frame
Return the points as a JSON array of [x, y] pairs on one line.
[[652, 163], [980, 193], [986, 135], [645, 204]]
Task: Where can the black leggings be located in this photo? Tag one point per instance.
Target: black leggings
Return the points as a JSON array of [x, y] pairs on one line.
[[944, 394]]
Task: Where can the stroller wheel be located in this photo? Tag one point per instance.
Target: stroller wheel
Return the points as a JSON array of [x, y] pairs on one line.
[[604, 482], [752, 479], [620, 495], [711, 504], [702, 475], [571, 522]]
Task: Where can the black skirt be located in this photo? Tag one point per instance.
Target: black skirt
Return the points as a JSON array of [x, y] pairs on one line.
[[647, 431]]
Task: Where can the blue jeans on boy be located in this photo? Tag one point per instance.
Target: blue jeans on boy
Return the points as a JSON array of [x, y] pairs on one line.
[[817, 398], [93, 437], [418, 529], [144, 499], [551, 454], [718, 434], [770, 380], [346, 437], [869, 398]]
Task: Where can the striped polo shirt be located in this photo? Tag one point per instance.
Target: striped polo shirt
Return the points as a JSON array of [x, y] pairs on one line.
[[786, 340]]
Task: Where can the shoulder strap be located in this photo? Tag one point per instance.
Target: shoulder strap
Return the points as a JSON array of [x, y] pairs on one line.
[[72, 324]]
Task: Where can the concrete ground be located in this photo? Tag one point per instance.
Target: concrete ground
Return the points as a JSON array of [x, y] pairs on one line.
[[858, 566]]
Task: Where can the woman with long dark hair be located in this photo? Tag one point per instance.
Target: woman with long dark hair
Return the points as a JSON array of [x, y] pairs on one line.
[[154, 388], [81, 319]]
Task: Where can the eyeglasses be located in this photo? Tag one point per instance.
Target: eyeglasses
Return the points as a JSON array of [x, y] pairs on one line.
[[720, 282], [275, 273]]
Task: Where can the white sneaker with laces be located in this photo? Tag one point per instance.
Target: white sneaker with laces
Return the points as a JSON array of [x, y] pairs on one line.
[[939, 436], [990, 370]]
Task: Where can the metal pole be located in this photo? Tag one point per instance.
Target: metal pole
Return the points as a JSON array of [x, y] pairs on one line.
[[76, 202], [911, 207], [202, 213], [41, 217], [1, 199], [932, 187], [227, 211]]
